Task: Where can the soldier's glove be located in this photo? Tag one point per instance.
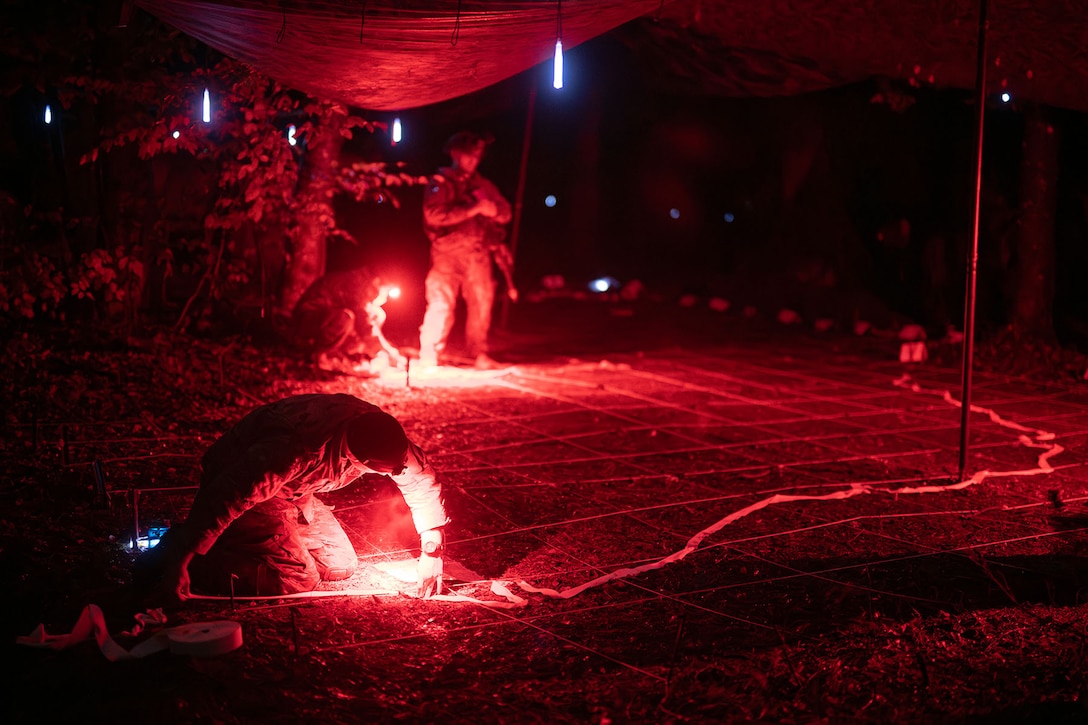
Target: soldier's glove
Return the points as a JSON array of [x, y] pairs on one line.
[[429, 568]]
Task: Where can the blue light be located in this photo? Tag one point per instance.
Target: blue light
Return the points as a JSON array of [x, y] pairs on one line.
[[729, 217], [557, 68], [48, 114], [674, 213], [549, 200], [291, 130], [398, 132], [1005, 97], [604, 284]]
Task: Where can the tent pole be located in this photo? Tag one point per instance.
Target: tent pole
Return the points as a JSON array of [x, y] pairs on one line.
[[972, 259], [515, 227]]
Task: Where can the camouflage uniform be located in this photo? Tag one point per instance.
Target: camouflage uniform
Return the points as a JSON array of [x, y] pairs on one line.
[[460, 257], [256, 515], [336, 314]]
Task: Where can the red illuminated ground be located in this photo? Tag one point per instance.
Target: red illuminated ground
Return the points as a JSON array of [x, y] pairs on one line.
[[834, 578]]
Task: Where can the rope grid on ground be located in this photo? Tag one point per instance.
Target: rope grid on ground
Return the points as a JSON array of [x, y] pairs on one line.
[[866, 405]]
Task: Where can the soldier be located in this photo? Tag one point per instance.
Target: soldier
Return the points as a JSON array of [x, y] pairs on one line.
[[463, 215], [338, 321], [256, 526]]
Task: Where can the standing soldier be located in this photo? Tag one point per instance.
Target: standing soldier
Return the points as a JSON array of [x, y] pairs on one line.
[[461, 213]]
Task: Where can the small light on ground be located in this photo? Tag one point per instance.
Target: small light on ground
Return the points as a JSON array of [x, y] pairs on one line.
[[603, 284], [549, 200]]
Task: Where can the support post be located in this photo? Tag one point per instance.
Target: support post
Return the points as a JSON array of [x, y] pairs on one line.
[[972, 258], [515, 227]]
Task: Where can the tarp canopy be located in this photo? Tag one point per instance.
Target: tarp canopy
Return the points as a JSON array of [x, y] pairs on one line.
[[1036, 49], [391, 56]]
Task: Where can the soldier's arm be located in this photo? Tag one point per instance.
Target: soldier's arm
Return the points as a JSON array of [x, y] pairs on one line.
[[442, 207], [505, 213]]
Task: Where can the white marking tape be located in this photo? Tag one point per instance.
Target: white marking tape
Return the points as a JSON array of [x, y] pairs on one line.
[[497, 587], [854, 489], [198, 639]]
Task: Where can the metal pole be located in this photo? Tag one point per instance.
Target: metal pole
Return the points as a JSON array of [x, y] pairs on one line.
[[136, 522], [520, 194], [972, 259]]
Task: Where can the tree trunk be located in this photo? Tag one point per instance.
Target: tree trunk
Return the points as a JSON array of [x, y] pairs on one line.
[[317, 186], [1032, 311]]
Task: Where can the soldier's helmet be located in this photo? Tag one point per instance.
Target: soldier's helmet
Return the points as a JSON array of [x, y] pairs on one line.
[[467, 141], [379, 442]]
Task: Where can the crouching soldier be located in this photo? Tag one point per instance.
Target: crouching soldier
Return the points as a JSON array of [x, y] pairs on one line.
[[257, 527], [338, 322]]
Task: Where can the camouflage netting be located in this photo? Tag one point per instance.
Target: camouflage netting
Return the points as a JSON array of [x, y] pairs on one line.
[[1035, 48], [392, 55]]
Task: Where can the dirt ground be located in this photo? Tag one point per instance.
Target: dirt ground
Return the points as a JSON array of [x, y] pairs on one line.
[[730, 520]]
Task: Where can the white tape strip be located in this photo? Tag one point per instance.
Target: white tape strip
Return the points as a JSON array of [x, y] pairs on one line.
[[854, 489]]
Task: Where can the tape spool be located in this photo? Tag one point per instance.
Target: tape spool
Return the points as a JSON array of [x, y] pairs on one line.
[[205, 639]]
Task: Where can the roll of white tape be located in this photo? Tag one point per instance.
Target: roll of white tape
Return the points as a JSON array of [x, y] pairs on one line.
[[205, 639]]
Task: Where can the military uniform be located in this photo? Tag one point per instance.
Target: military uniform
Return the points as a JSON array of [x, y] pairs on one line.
[[460, 258], [257, 517], [338, 315]]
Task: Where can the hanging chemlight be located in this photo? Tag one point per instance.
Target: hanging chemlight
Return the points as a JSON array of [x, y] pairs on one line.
[[48, 114], [291, 130], [557, 72], [397, 131], [207, 115], [557, 67], [1005, 97]]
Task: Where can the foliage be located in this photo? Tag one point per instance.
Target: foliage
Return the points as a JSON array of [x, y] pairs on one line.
[[32, 288], [142, 92]]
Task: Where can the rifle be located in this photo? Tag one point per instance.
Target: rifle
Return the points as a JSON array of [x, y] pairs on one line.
[[495, 241]]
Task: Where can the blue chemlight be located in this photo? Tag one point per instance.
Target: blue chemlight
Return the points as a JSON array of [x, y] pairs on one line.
[[557, 67], [604, 284]]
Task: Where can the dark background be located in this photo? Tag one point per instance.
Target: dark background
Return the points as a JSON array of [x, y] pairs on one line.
[[620, 149]]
